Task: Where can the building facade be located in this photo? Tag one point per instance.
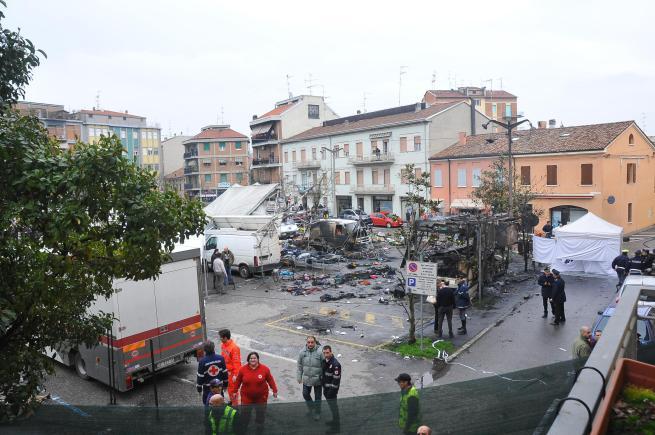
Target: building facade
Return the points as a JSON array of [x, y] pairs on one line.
[[288, 118], [358, 161], [172, 154], [56, 120], [175, 181], [493, 104], [607, 169], [215, 159]]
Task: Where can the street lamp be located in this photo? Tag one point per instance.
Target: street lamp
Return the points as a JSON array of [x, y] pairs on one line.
[[509, 126], [332, 151]]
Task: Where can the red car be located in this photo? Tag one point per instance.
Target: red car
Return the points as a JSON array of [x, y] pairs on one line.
[[386, 219]]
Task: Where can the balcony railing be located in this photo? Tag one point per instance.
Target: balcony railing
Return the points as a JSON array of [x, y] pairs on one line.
[[372, 189], [263, 139], [265, 162], [189, 154], [189, 186], [307, 164], [190, 169], [373, 159]]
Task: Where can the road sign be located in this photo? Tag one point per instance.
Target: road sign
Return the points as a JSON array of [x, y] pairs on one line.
[[422, 278]]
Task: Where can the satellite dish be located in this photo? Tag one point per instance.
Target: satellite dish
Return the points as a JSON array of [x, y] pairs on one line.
[[611, 199]]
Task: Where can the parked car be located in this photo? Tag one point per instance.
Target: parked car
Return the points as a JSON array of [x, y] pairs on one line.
[[634, 283], [288, 230], [386, 219], [645, 330], [356, 215]]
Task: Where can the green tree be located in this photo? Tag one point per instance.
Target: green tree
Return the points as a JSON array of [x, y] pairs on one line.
[[70, 222]]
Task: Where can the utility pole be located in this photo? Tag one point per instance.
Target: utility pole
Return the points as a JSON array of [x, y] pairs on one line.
[[333, 151], [509, 126]]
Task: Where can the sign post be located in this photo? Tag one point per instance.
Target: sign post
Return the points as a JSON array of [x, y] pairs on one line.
[[422, 280]]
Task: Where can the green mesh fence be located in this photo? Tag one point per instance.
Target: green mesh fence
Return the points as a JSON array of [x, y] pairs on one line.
[[515, 403]]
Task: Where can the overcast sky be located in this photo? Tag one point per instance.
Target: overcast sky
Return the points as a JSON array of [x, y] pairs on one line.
[[179, 62]]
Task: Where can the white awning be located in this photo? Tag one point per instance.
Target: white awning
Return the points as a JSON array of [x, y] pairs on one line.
[[466, 203], [261, 129]]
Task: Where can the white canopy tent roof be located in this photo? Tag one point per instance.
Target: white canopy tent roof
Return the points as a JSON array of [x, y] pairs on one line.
[[587, 226]]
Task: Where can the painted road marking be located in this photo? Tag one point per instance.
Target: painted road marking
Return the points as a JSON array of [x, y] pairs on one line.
[[369, 318], [75, 409]]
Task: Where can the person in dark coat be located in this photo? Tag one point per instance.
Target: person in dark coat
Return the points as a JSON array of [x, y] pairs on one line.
[[648, 261], [621, 265], [210, 367], [558, 297], [331, 380], [548, 230], [445, 304], [462, 303], [546, 282], [637, 262]]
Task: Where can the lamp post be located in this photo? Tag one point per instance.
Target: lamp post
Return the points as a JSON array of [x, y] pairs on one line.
[[332, 151], [509, 126]]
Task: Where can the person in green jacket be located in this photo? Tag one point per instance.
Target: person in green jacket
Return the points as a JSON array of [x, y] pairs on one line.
[[582, 345], [310, 370], [222, 418], [410, 411]]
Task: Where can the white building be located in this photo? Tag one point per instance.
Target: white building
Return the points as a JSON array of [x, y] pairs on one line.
[[371, 149]]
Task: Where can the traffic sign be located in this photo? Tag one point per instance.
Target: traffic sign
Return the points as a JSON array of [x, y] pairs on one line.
[[422, 278]]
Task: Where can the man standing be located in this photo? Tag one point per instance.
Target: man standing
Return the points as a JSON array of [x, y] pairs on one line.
[[310, 369], [558, 297], [548, 230], [621, 265], [546, 282], [228, 261], [462, 303], [330, 382], [445, 304], [210, 367], [219, 270], [582, 346], [232, 355], [637, 262], [408, 214], [222, 418], [410, 412]]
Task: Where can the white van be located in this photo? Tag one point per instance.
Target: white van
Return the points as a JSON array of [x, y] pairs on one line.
[[636, 283], [254, 251]]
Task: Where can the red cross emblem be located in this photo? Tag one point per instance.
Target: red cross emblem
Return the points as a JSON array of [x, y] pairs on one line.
[[212, 370]]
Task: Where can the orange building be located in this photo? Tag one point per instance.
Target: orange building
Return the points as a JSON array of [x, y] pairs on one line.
[[607, 169], [493, 104]]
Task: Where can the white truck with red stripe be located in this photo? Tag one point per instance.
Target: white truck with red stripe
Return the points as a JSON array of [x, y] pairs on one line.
[[165, 314]]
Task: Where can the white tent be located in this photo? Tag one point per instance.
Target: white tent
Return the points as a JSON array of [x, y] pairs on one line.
[[587, 245]]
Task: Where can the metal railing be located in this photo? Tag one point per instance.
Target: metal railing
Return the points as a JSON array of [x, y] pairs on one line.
[[373, 159], [373, 188], [190, 169], [191, 153], [265, 162], [306, 164], [619, 341]]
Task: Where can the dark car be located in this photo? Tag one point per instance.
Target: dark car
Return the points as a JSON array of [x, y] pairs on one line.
[[645, 330], [356, 215]]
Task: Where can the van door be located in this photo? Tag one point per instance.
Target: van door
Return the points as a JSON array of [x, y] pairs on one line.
[[210, 245]]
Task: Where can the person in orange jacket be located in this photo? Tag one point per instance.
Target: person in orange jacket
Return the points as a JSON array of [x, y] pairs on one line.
[[232, 355]]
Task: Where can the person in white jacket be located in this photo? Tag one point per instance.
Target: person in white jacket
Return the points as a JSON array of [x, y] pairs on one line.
[[219, 271]]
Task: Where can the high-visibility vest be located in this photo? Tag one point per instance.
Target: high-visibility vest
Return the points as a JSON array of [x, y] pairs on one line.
[[225, 424], [402, 419]]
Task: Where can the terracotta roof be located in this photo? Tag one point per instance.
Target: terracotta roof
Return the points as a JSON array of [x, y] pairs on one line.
[[541, 140], [175, 174], [498, 94], [223, 133], [370, 123], [110, 113], [278, 110], [447, 93]]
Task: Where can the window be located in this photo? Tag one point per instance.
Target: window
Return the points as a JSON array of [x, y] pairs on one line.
[[337, 177], [374, 145], [221, 146], [346, 176], [477, 102], [631, 139], [508, 110], [551, 175], [461, 177], [403, 175], [208, 178], [374, 177], [123, 134], [313, 153], [417, 173], [135, 135], [438, 181], [207, 162], [239, 176], [417, 143], [525, 175], [239, 161], [403, 144], [293, 155], [632, 173], [586, 174], [206, 147], [629, 212], [222, 162], [312, 111], [475, 177], [237, 145], [286, 157], [360, 178], [494, 110], [346, 149], [223, 178]]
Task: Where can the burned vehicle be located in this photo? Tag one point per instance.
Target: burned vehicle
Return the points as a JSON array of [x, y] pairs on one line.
[[337, 234]]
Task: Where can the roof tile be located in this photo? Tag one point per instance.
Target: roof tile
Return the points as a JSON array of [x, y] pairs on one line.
[[223, 133]]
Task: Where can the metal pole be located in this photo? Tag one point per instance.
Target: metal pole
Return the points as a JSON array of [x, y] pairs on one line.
[[480, 271], [334, 187], [511, 174], [111, 392], [154, 373], [421, 332]]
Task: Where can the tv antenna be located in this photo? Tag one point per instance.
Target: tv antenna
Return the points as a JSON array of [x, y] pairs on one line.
[[400, 80], [98, 100], [364, 102], [309, 83], [289, 86], [434, 79]]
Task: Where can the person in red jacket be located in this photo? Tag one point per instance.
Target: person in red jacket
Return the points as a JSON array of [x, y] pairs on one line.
[[254, 380], [232, 355]]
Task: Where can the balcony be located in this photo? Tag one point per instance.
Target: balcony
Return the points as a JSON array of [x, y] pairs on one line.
[[191, 170], [307, 164], [373, 189], [263, 139], [189, 154], [190, 186], [382, 159], [265, 163]]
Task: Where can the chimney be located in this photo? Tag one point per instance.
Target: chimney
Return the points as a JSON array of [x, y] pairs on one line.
[[254, 117], [552, 123], [462, 138], [359, 112], [541, 124], [472, 109], [126, 112]]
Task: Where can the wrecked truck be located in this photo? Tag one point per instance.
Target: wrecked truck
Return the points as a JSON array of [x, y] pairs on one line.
[[337, 234]]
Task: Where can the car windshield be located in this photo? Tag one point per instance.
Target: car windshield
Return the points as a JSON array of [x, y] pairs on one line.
[[641, 327]]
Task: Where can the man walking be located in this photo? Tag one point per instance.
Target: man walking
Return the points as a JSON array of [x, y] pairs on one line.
[[232, 355], [228, 261], [462, 303], [210, 367], [410, 412], [222, 418], [445, 304], [582, 346], [219, 270], [621, 265], [330, 382], [546, 282], [558, 297], [310, 368]]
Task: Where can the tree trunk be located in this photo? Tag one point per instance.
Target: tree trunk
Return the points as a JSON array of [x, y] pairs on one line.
[[412, 321]]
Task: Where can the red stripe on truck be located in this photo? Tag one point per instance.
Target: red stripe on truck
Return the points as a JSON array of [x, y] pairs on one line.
[[152, 333], [158, 351]]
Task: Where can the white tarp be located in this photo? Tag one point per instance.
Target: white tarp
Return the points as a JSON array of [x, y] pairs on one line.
[[543, 249], [587, 245]]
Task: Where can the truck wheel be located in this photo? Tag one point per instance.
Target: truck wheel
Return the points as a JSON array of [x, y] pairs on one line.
[[244, 271], [80, 366]]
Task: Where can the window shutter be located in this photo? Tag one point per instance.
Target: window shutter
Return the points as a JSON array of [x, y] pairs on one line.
[[586, 174], [403, 144], [525, 175]]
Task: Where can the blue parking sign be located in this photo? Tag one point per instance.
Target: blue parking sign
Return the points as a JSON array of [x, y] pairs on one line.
[[411, 282]]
